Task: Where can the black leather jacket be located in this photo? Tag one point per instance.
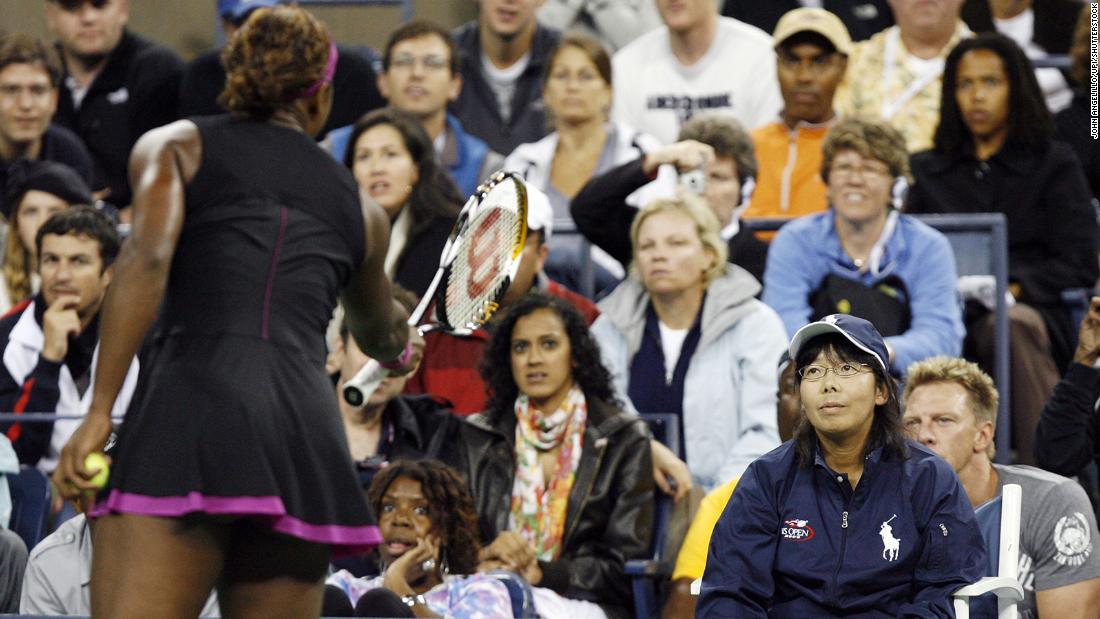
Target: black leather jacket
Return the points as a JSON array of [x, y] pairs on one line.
[[610, 514]]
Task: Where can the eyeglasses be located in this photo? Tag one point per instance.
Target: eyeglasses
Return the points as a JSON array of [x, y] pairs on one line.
[[406, 62], [867, 169], [844, 370]]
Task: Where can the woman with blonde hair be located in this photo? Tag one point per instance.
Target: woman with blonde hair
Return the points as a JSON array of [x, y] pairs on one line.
[[685, 335]]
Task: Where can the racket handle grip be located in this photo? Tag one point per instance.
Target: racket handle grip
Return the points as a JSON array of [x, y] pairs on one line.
[[358, 389]]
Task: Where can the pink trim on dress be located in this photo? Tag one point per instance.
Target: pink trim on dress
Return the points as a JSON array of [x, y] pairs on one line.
[[345, 540]]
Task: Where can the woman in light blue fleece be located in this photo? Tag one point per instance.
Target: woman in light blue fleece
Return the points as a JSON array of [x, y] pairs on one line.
[[864, 239]]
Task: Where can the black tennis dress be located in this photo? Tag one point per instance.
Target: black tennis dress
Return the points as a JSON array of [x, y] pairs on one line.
[[234, 413]]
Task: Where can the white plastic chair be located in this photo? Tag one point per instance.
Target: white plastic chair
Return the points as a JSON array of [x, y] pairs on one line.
[[1005, 584]]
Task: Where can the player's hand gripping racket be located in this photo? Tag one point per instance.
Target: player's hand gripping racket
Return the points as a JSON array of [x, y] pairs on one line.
[[476, 267]]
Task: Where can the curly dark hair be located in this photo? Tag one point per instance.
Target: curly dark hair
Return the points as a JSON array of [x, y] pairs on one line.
[[887, 430], [496, 362], [435, 194], [450, 507], [1029, 122], [277, 54]]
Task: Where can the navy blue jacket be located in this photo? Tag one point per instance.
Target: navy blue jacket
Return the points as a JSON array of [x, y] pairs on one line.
[[797, 541]]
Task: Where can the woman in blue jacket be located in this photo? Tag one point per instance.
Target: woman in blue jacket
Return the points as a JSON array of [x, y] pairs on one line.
[[849, 517]]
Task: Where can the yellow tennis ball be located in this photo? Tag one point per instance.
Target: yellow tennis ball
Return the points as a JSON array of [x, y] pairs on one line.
[[96, 461]]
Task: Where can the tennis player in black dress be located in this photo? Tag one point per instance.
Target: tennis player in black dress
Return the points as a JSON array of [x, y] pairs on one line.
[[232, 470]]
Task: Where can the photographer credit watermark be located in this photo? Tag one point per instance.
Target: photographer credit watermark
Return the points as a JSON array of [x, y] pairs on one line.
[[1094, 113]]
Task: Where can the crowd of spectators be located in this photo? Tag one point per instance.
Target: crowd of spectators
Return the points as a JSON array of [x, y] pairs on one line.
[[653, 135]]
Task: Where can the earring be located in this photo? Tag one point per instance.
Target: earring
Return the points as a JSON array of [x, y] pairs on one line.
[[444, 567]]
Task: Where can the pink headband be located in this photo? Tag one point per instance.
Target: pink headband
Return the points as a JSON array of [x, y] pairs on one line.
[[326, 77]]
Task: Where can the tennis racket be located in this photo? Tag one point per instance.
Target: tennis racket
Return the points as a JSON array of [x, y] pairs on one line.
[[478, 263]]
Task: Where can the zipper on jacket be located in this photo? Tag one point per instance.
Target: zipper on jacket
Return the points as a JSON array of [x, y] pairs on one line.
[[843, 545], [788, 170], [584, 497]]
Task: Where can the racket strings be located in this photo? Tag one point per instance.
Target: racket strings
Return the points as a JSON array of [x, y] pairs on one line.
[[480, 270]]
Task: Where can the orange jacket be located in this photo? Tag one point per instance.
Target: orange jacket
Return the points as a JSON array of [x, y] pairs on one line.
[[789, 181]]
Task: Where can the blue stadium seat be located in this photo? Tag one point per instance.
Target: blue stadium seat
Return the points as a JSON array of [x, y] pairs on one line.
[[647, 575], [30, 500], [980, 244]]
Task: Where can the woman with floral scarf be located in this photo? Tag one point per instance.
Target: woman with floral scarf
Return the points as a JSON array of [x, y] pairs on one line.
[[562, 477]]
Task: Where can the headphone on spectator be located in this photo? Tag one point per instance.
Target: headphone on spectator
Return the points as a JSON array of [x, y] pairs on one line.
[[898, 192], [748, 185]]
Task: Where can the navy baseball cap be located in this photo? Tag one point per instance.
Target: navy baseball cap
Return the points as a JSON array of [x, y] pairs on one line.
[[862, 334]]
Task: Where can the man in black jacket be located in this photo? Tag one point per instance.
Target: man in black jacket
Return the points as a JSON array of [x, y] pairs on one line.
[[354, 89], [117, 85]]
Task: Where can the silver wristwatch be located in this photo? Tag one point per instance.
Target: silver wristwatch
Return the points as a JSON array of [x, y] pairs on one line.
[[413, 600]]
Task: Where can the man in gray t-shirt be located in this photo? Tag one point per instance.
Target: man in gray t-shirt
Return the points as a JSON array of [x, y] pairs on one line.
[[951, 407], [1057, 532]]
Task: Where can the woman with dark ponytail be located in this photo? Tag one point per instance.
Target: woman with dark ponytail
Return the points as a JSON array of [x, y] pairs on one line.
[[232, 470]]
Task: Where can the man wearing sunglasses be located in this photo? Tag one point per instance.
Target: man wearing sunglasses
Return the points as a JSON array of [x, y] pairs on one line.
[[116, 86]]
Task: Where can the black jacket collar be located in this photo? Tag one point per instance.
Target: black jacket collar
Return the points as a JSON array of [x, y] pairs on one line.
[[114, 73], [1018, 160], [603, 420]]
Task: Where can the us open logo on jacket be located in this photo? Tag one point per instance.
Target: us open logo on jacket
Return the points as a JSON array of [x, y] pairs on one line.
[[1071, 539], [797, 530]]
